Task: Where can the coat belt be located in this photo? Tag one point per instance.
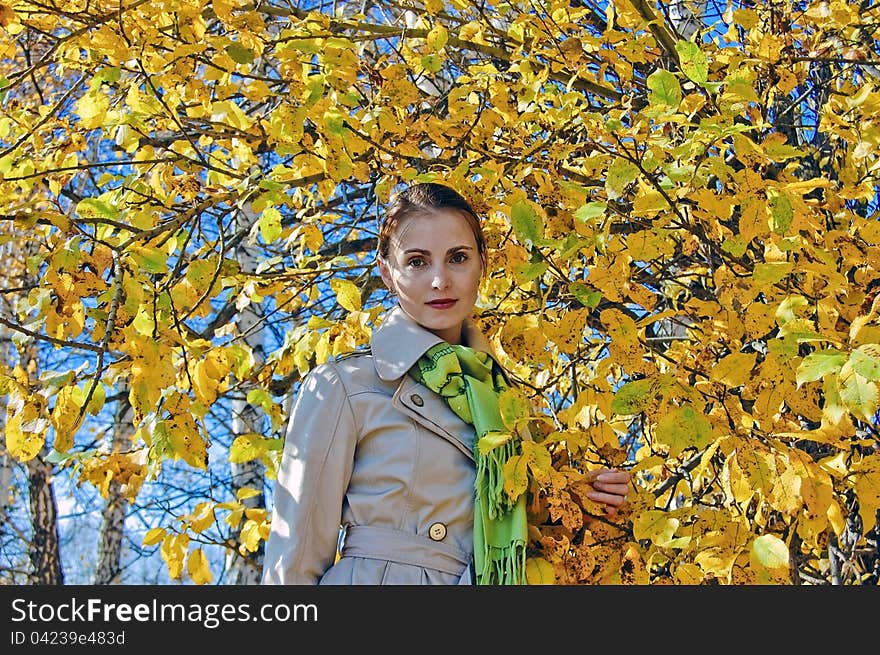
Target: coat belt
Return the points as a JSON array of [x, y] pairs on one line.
[[402, 547]]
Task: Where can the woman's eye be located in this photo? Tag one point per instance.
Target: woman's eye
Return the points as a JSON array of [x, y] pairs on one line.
[[459, 257], [416, 262]]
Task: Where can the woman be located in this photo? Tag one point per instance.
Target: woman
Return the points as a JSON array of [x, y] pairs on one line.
[[382, 442]]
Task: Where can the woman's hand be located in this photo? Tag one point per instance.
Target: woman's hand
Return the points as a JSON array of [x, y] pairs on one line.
[[610, 487]]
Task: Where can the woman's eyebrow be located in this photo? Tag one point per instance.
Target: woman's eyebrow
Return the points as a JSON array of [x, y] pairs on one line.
[[428, 252]]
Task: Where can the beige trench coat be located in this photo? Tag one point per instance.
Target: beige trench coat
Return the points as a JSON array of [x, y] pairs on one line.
[[370, 449]]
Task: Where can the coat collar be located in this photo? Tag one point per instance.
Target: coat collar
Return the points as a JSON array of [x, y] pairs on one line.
[[398, 342]]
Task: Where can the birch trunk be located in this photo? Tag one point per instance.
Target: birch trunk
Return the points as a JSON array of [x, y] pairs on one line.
[[113, 517], [245, 568]]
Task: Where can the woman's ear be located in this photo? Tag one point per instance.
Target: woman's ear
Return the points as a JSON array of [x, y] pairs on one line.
[[385, 273]]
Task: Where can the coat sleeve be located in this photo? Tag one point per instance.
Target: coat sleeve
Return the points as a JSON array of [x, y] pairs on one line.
[[315, 471]]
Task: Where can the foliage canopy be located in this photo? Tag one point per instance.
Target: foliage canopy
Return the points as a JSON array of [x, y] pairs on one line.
[[684, 258]]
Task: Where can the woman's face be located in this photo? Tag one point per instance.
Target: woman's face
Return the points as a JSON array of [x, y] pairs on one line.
[[434, 267]]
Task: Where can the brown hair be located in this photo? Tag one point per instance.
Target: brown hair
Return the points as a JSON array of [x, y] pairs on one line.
[[427, 198]]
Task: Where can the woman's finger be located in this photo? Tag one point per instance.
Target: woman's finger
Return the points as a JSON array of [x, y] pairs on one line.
[[613, 500]]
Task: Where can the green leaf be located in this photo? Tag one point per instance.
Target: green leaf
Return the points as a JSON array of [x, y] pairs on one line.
[[771, 273], [865, 361], [770, 551], [780, 151], [656, 525], [858, 394], [665, 90], [693, 61], [620, 174], [735, 245], [242, 360], [586, 296], [513, 406], [432, 63], [240, 54], [334, 121], [259, 398], [270, 224], [246, 447], [818, 364], [151, 260], [528, 272], [527, 225], [96, 208], [781, 213], [590, 210], [684, 427], [491, 440], [633, 397]]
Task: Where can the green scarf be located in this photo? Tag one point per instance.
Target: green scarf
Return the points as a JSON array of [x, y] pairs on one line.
[[470, 381]]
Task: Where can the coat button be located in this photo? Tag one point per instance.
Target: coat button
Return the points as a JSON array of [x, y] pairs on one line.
[[437, 531], [418, 402]]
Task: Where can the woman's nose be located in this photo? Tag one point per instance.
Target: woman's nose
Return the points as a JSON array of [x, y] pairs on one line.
[[440, 279]]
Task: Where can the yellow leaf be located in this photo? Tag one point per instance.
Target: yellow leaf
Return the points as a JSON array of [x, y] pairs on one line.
[[250, 536], [492, 440], [258, 514], [437, 37], [347, 294], [24, 444], [624, 347], [688, 574], [620, 174], [92, 109], [197, 567], [539, 459], [247, 492], [153, 536], [656, 525], [173, 551], [246, 448], [771, 273], [836, 518], [202, 517], [867, 487], [648, 202], [566, 329], [516, 475], [65, 417], [539, 571], [734, 370], [234, 517], [186, 440]]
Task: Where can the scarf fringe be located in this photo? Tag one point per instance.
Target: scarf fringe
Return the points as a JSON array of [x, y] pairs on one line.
[[504, 566], [490, 478]]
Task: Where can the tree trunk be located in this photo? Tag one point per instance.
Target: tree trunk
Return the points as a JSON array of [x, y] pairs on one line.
[[5, 459], [45, 547], [245, 568], [45, 543], [113, 519]]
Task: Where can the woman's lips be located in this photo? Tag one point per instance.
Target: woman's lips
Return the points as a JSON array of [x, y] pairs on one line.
[[442, 305]]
